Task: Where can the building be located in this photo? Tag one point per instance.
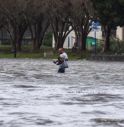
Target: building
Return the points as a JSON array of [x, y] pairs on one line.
[[70, 40], [120, 33]]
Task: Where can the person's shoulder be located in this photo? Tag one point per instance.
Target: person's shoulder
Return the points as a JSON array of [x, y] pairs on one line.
[[65, 53]]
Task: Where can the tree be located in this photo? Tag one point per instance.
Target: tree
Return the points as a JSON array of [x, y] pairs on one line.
[[110, 14], [15, 21], [38, 21], [58, 11], [81, 20], [21, 15]]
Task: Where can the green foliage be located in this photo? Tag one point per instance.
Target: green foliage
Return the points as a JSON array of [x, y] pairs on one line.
[[48, 40], [117, 46], [110, 12], [50, 53]]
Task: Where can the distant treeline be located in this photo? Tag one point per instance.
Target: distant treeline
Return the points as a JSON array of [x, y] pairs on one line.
[[59, 16]]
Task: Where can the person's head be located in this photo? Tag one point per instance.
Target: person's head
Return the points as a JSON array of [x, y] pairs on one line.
[[61, 50]]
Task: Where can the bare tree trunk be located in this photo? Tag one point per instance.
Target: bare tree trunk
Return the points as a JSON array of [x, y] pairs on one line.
[[38, 31], [60, 44], [15, 41], [107, 38], [42, 28], [20, 37], [19, 42], [83, 40], [60, 30], [83, 46]]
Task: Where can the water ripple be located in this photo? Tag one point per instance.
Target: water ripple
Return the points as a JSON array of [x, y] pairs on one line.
[[33, 94]]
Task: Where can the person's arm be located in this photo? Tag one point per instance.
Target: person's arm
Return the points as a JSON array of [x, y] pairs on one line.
[[55, 61], [59, 61]]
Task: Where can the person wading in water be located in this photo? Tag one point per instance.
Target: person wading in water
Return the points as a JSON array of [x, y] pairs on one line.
[[62, 60]]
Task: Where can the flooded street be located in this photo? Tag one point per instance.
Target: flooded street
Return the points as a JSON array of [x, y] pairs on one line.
[[33, 94]]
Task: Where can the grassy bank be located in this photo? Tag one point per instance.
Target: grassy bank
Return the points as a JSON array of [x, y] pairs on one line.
[[45, 53]]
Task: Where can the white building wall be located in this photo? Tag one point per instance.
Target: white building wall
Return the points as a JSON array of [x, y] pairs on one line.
[[53, 42], [70, 40], [120, 33]]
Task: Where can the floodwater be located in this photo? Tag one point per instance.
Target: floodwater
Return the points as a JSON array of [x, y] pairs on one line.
[[33, 94]]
